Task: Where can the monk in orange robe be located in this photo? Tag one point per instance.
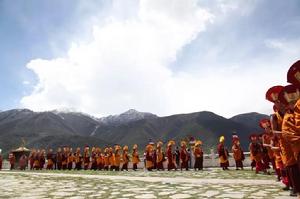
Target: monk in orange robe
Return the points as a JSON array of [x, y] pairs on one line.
[[31, 159], [106, 159], [125, 158], [198, 153], [78, 159], [171, 156], [238, 153], [280, 165], [184, 157], [293, 77], [266, 141], [64, 162], [257, 153], [135, 157], [36, 158], [59, 157], [276, 119], [94, 159], [50, 162], [149, 157], [12, 161], [23, 162], [111, 158], [86, 158], [223, 154], [160, 156], [117, 154], [42, 159], [70, 159], [99, 159], [289, 96]]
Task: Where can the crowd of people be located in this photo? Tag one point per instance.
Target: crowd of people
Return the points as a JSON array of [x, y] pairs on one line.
[[280, 142], [155, 157], [112, 158]]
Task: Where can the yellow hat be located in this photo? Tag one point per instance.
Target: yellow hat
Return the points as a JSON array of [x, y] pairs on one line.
[[183, 143], [222, 139], [159, 144], [171, 142], [117, 147], [198, 142], [125, 148], [149, 147]]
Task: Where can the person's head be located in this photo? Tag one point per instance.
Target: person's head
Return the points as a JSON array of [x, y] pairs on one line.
[[272, 95], [222, 139], [266, 125], [289, 96], [253, 138], [135, 146], [293, 75], [183, 144], [125, 148]]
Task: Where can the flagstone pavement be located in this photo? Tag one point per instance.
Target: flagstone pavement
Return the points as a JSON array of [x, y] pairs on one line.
[[210, 183]]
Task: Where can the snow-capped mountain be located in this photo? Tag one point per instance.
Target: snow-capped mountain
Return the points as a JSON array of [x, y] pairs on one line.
[[126, 117]]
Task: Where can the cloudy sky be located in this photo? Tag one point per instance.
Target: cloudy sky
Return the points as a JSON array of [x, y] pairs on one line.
[[104, 57]]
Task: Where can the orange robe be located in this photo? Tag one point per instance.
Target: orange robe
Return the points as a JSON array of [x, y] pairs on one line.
[[171, 159], [86, 160], [289, 150], [117, 162], [223, 156], [267, 140], [198, 153], [135, 157], [100, 161], [78, 161], [125, 160], [50, 162], [237, 152], [106, 162], [149, 160], [111, 159]]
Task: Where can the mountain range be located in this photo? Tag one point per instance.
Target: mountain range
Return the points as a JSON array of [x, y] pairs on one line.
[[59, 128]]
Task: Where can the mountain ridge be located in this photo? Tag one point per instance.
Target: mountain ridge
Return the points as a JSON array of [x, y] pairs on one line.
[[55, 128]]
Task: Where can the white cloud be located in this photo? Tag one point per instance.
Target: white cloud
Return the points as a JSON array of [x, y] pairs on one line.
[[127, 64], [124, 66], [25, 82]]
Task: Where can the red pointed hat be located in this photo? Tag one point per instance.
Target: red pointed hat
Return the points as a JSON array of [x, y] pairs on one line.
[[293, 75], [289, 93], [264, 123], [273, 92]]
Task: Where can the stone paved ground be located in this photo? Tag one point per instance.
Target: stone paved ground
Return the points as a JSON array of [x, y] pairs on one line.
[[211, 183]]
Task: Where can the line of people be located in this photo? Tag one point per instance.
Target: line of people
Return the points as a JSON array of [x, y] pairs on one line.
[[237, 152], [110, 158], [281, 137]]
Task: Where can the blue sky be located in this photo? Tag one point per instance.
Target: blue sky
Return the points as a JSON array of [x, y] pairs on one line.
[[165, 57]]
